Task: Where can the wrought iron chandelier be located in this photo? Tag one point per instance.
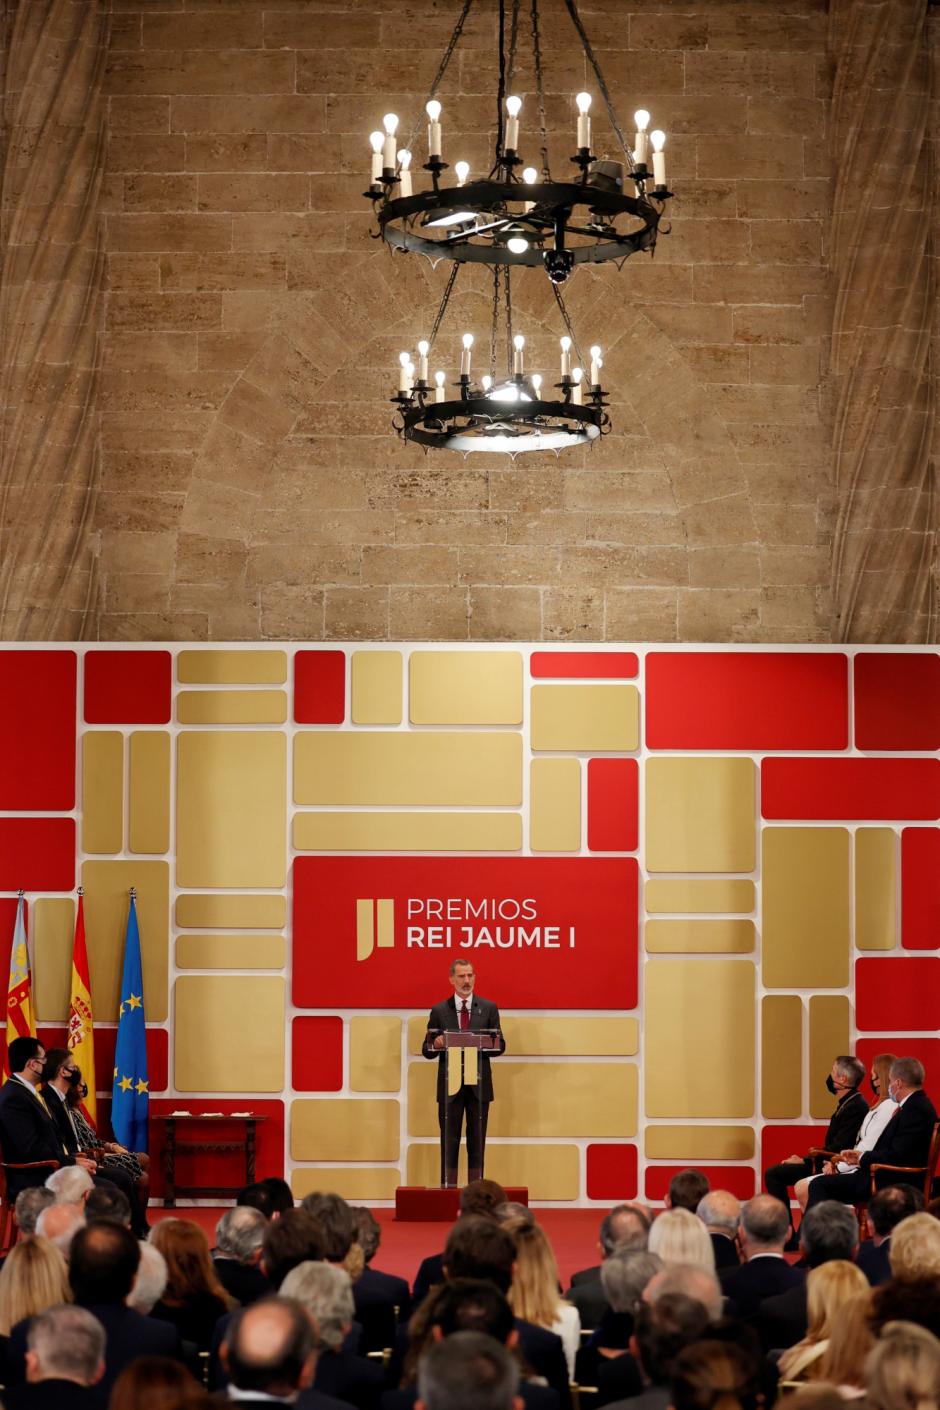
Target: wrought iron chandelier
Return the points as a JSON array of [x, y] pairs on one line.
[[511, 219]]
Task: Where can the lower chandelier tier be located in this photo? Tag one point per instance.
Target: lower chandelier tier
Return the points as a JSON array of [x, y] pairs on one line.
[[509, 419]]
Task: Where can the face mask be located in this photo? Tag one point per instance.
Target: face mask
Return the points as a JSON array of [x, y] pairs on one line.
[[894, 1095], [74, 1078], [830, 1085], [83, 1090]]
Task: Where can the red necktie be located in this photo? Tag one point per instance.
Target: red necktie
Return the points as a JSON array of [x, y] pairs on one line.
[[464, 1015]]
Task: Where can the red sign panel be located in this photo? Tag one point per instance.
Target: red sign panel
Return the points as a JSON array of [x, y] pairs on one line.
[[542, 933]]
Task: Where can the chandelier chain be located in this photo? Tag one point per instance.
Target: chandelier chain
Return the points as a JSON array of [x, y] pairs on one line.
[[442, 67], [572, 9], [495, 328], [568, 325], [513, 39], [508, 289], [501, 85], [540, 88], [452, 280]]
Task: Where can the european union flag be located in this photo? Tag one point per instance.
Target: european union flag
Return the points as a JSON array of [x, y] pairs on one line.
[[130, 1096]]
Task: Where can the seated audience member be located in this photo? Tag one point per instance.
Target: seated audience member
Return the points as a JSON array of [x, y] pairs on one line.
[[109, 1203], [627, 1226], [828, 1289], [885, 1212], [687, 1189], [902, 1371], [479, 1197], [731, 1331], [844, 1081], [325, 1290], [915, 1247], [194, 1299], [720, 1212], [534, 1293], [880, 1113], [64, 1362], [679, 1237], [257, 1196], [829, 1231], [662, 1331], [467, 1371], [904, 1141], [70, 1185], [711, 1374], [34, 1277], [27, 1130], [150, 1280], [59, 1223], [156, 1383], [625, 1274], [270, 1355], [512, 1212], [765, 1225], [691, 1281], [338, 1223], [850, 1340], [382, 1300], [282, 1198], [29, 1205], [239, 1236], [914, 1300]]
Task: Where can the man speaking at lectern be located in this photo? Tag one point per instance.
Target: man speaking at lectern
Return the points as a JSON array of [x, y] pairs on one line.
[[463, 1011]]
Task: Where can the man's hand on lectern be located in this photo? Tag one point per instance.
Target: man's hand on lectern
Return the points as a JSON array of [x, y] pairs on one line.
[[438, 1042]]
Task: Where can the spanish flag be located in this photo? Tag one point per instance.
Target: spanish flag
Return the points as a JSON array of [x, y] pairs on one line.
[[81, 1034], [20, 1020]]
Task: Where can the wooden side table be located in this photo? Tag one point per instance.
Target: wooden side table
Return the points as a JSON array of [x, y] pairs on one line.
[[173, 1147]]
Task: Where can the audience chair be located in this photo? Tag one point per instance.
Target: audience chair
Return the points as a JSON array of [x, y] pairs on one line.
[[8, 1224], [583, 1397], [928, 1171]]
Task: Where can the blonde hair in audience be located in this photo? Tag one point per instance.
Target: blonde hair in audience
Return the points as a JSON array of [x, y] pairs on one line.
[[881, 1067], [915, 1247], [902, 1371], [850, 1341], [828, 1288], [34, 1278], [534, 1292], [679, 1236]]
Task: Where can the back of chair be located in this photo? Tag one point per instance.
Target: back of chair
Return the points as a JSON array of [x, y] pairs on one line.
[[933, 1158]]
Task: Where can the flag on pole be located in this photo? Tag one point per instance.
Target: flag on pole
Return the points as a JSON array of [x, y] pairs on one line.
[[130, 1100], [20, 1020], [81, 1034]]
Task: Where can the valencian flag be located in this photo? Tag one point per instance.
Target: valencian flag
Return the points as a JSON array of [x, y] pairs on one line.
[[20, 1020], [130, 1099], [81, 1034]]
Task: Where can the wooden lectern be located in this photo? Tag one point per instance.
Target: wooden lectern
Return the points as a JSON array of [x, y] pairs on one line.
[[462, 1047]]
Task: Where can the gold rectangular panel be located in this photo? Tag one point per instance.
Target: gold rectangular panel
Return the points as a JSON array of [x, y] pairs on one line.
[[231, 952], [781, 1057], [540, 1099], [407, 832], [231, 667], [439, 768], [550, 1172], [587, 718], [555, 805], [699, 1023], [107, 887], [337, 1128], [103, 791], [52, 930], [687, 1143], [377, 680], [374, 1053], [149, 813], [354, 1183], [465, 687], [698, 896], [229, 1033], [829, 1018], [554, 1035], [231, 912], [805, 904], [231, 707], [231, 801], [701, 814], [876, 888], [700, 937]]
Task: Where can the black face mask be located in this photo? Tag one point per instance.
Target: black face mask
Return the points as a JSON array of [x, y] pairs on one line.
[[74, 1078], [83, 1089], [830, 1085]]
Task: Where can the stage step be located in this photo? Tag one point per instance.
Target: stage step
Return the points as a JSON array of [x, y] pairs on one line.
[[424, 1204]]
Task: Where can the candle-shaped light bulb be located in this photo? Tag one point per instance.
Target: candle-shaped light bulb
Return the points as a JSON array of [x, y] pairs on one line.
[[467, 341], [433, 110], [403, 361], [410, 369], [404, 172], [461, 171], [641, 142], [518, 344], [658, 140], [390, 123], [377, 139], [595, 365], [537, 383], [439, 379], [517, 244], [566, 356], [424, 347], [513, 108], [486, 382], [577, 395], [583, 101], [530, 176], [389, 149]]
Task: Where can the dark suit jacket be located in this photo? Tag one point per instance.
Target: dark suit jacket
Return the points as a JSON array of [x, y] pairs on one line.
[[726, 1252], [350, 1378], [243, 1281], [874, 1262], [27, 1133], [60, 1118], [127, 1336], [483, 1014], [589, 1298], [376, 1296], [781, 1321], [427, 1277], [906, 1138], [846, 1122], [586, 1275], [533, 1397], [544, 1352], [54, 1395], [751, 1283]]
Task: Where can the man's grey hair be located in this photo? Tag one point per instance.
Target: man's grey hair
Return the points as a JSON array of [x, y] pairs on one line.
[[625, 1274], [765, 1220], [625, 1226], [721, 1210], [850, 1069], [908, 1070], [70, 1184], [239, 1234], [325, 1290], [150, 1282], [691, 1281], [467, 1371], [829, 1230], [59, 1223], [68, 1343], [29, 1205]]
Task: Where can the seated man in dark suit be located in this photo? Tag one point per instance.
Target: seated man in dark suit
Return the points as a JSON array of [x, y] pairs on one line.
[[270, 1356], [64, 1363], [627, 1226], [904, 1141], [382, 1300], [482, 1197], [828, 1231], [325, 1291], [720, 1212], [886, 1210], [28, 1132], [765, 1224], [239, 1236], [605, 1356], [844, 1081]]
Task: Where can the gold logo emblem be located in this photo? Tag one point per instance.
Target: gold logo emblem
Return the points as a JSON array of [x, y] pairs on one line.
[[375, 927]]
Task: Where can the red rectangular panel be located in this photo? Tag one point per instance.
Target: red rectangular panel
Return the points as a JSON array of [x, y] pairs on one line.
[[105, 1040], [897, 700], [739, 1179], [779, 1142], [612, 805], [926, 1050], [320, 687], [127, 687], [541, 932], [920, 888], [37, 854], [317, 1054], [37, 730], [584, 665], [850, 789], [897, 995], [611, 1172], [216, 1167], [746, 700]]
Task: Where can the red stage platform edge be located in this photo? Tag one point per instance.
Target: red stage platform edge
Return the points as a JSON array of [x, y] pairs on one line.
[[420, 1204]]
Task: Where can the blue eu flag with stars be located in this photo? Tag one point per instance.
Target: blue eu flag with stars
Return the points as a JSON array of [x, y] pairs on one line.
[[130, 1100]]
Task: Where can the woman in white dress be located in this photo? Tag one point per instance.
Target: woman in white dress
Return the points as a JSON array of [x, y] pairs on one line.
[[534, 1294], [875, 1122]]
